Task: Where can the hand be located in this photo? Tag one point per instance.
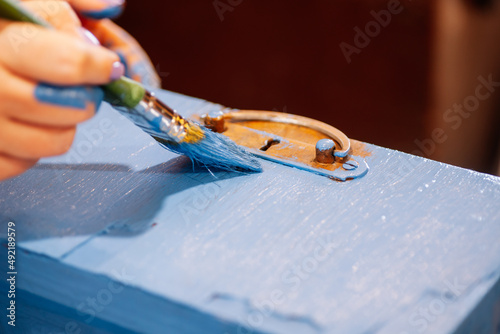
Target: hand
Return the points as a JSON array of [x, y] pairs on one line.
[[96, 15], [138, 66], [38, 111]]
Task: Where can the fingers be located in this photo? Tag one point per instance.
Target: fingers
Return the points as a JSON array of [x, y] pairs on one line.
[[11, 166], [38, 120], [49, 84], [98, 9], [35, 103], [60, 58], [137, 63], [59, 14], [27, 141]]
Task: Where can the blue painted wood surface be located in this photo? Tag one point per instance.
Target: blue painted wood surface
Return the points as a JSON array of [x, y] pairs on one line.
[[120, 233]]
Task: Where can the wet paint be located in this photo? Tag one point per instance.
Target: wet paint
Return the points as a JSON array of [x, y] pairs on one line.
[[245, 260], [107, 13], [74, 97]]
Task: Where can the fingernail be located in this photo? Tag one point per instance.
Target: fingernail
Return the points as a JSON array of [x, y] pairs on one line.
[[112, 10], [88, 36], [123, 60], [117, 70], [114, 2], [73, 97]]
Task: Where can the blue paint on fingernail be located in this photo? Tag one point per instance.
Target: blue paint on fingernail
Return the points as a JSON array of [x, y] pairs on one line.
[[73, 96], [106, 13], [123, 60]]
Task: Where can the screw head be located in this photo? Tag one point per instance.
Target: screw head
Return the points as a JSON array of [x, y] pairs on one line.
[[324, 151], [350, 165], [214, 120]]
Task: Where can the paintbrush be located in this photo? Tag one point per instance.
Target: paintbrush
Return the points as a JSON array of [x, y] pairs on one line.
[[171, 130]]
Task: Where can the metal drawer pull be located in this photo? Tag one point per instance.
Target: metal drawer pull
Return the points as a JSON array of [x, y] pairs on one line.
[[292, 140]]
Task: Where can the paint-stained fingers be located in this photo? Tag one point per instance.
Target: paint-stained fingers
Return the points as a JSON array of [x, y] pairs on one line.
[[105, 8], [37, 103], [12, 166], [51, 56], [29, 141], [98, 9], [137, 63]]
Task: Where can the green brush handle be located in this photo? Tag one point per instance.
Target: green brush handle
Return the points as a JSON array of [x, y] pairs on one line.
[[11, 10], [123, 92]]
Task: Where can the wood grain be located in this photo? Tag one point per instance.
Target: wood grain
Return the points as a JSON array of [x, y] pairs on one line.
[[162, 246]]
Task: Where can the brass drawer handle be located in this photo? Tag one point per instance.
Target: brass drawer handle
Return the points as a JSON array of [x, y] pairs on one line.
[[292, 140]]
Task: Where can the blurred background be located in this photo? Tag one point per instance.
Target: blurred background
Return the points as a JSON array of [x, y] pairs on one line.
[[417, 76]]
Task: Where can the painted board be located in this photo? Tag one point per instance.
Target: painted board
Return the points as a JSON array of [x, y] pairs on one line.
[[120, 235]]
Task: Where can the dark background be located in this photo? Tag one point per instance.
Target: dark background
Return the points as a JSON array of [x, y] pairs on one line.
[[285, 55]]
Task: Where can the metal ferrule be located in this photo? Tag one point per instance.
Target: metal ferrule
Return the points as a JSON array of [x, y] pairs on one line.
[[157, 119]]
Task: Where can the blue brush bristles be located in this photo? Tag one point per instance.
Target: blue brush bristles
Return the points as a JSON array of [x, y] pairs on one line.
[[195, 141], [216, 150]]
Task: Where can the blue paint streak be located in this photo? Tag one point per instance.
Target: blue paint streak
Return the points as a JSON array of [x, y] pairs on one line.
[[156, 123], [216, 150], [123, 60], [338, 174], [213, 150], [74, 96], [141, 69], [325, 144], [215, 113], [107, 13]]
